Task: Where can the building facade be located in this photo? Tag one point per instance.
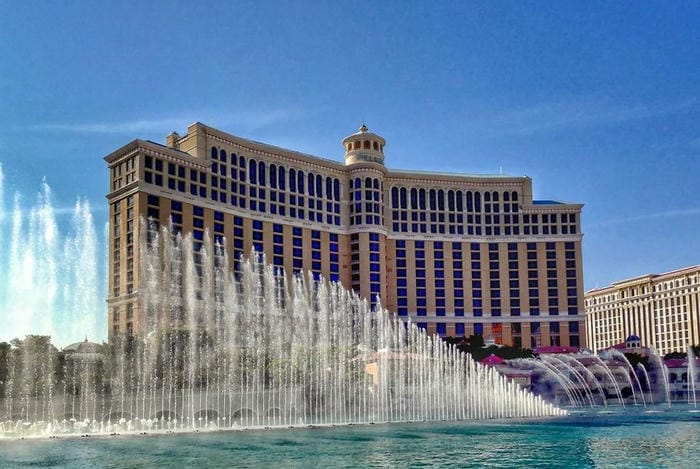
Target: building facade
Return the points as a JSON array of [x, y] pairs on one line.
[[457, 254], [662, 309]]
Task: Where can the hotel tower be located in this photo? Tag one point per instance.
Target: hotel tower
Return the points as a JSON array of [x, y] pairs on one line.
[[457, 254], [663, 310]]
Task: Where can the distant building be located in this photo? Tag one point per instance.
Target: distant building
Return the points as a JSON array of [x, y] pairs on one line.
[[457, 254], [661, 310]]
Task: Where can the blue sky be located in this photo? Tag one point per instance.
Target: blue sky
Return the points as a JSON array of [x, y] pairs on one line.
[[599, 102]]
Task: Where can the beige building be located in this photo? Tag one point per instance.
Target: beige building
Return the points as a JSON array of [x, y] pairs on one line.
[[457, 254], [662, 309]]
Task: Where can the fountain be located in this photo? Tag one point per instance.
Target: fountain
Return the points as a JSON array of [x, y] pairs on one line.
[[247, 349], [49, 269]]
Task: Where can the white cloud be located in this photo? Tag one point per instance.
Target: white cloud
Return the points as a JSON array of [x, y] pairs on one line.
[[645, 217], [578, 113], [243, 119]]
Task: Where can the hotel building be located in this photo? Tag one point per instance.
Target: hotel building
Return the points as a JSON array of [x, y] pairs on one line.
[[662, 309], [457, 254]]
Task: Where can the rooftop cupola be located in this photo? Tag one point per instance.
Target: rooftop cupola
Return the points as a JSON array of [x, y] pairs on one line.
[[364, 147]]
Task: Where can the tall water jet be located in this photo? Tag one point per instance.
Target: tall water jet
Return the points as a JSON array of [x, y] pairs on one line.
[[49, 283], [692, 374], [79, 272], [2, 209], [643, 370], [621, 356], [662, 374]]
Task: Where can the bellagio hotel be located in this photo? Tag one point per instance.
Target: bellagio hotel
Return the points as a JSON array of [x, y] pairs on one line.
[[456, 254]]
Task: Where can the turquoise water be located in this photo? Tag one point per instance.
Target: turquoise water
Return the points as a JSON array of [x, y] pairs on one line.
[[625, 439]]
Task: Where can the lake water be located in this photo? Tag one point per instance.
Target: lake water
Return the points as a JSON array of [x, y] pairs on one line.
[[625, 438]]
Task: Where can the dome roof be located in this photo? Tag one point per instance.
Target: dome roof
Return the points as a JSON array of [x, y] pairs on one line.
[[632, 338], [82, 347], [363, 131], [492, 360], [364, 147]]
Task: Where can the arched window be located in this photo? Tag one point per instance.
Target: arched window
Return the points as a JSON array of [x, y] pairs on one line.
[[375, 183], [300, 181], [319, 186], [433, 199], [477, 201], [506, 197], [311, 184], [414, 198], [358, 183], [441, 199], [281, 173], [394, 197], [495, 196], [292, 180], [234, 159], [487, 196], [349, 146], [404, 202], [367, 144], [222, 155], [329, 187], [470, 202], [376, 146], [273, 176], [357, 145], [514, 196], [336, 190], [460, 202], [241, 162], [214, 152], [261, 173], [252, 171], [451, 200], [421, 199]]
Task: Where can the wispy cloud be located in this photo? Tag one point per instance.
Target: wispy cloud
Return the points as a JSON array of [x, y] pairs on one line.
[[248, 120], [581, 113], [645, 217], [113, 127]]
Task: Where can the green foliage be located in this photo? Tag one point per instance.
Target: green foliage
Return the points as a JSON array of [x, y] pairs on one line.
[[635, 359], [696, 351], [474, 345]]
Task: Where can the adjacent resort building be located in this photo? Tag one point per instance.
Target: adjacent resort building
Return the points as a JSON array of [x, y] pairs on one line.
[[661, 309], [457, 254]]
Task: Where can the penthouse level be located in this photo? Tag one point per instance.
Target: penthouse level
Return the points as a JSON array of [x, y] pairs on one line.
[[458, 254]]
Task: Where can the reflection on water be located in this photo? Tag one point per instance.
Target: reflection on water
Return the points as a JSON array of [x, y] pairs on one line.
[[670, 439], [658, 444]]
